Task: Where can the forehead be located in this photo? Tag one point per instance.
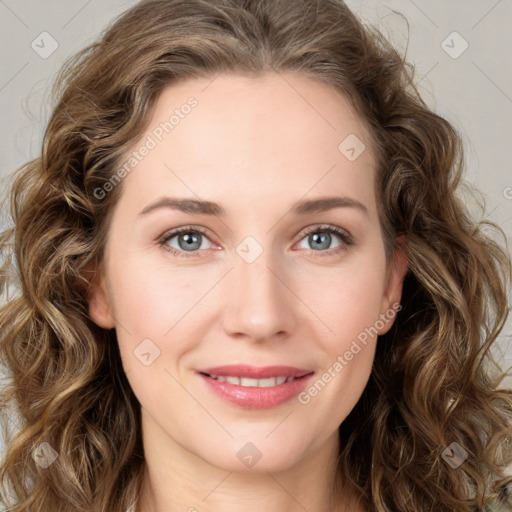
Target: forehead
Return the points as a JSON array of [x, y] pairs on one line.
[[260, 138]]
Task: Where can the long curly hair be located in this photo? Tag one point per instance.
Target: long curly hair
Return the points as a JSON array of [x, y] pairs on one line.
[[434, 381]]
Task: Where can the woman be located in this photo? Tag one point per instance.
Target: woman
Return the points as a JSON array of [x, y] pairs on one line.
[[246, 280]]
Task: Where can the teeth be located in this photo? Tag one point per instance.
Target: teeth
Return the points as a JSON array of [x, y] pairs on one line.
[[257, 383], [269, 382], [245, 381]]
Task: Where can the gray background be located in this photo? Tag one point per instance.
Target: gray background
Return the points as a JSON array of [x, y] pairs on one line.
[[472, 89]]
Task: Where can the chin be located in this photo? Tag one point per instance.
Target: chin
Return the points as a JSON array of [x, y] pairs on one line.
[[258, 456]]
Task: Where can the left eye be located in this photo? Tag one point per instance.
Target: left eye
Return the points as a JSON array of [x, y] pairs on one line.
[[320, 238]]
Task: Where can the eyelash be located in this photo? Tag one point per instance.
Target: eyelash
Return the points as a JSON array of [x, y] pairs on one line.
[[346, 239]]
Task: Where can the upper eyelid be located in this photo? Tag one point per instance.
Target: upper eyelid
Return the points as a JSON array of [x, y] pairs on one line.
[[319, 227], [171, 233]]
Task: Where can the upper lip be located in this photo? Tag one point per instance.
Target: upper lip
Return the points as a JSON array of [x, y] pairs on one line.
[[244, 370]]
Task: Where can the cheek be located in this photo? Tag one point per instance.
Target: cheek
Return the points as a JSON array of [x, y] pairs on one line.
[[157, 309], [350, 307], [150, 299], [347, 300]]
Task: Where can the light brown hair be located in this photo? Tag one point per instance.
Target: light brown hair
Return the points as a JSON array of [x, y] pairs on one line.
[[434, 381]]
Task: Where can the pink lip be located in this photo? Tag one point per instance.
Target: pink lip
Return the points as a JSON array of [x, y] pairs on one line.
[[255, 397]]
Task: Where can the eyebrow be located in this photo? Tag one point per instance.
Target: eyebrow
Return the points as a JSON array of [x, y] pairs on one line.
[[304, 207]]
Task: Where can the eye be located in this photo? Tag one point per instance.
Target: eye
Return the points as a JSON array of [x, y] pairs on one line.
[[191, 240], [320, 238], [184, 240]]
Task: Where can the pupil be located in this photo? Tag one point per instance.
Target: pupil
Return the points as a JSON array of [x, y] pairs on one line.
[[190, 240], [317, 238]]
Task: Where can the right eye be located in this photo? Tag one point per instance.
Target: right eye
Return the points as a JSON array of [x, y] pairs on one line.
[[184, 240]]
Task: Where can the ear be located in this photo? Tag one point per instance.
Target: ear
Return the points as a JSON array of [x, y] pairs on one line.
[[97, 296], [394, 283]]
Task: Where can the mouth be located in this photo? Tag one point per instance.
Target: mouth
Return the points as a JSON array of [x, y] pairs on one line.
[[256, 387]]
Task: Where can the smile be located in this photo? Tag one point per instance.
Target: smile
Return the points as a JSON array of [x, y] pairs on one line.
[[251, 387]]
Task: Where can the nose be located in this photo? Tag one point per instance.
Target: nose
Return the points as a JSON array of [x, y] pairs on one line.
[[259, 304]]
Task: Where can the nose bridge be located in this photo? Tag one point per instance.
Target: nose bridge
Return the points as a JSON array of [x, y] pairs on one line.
[[258, 305]]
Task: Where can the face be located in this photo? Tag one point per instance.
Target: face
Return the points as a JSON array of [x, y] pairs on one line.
[[260, 278]]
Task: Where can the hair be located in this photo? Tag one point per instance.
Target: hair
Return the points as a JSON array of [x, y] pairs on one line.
[[434, 380]]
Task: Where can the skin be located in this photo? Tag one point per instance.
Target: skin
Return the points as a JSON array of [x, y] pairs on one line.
[[255, 146]]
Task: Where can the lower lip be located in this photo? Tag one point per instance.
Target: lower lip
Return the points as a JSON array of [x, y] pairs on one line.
[[254, 397]]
